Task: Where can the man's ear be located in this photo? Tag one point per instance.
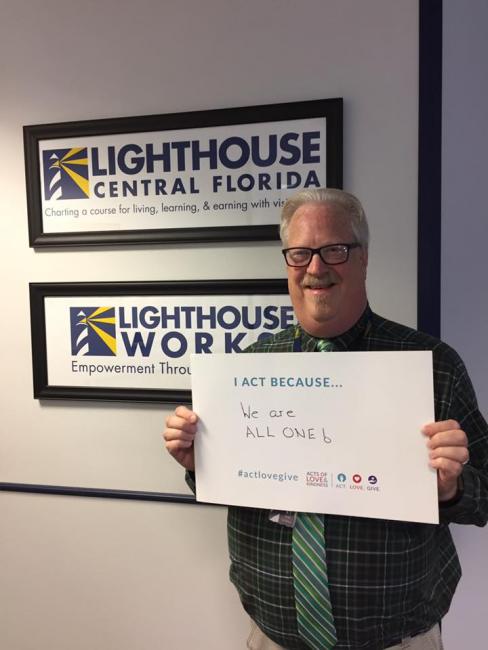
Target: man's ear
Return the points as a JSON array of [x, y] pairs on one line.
[[364, 255]]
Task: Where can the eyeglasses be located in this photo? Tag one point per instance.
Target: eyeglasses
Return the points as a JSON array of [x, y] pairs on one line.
[[332, 254]]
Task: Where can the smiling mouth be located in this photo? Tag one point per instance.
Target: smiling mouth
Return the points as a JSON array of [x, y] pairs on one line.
[[319, 286]]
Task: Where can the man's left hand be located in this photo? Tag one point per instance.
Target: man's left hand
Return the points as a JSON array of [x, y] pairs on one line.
[[448, 452]]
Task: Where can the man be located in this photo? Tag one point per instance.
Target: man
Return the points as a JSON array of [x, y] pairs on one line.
[[388, 580]]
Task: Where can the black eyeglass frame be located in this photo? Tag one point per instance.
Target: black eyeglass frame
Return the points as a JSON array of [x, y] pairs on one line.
[[319, 252]]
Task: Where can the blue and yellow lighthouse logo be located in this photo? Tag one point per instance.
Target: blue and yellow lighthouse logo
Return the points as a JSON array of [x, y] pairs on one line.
[[93, 331], [66, 174]]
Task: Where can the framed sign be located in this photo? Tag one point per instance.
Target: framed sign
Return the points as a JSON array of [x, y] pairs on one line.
[[132, 340], [202, 176]]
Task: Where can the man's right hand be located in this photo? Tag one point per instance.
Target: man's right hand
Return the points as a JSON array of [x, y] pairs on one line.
[[179, 434]]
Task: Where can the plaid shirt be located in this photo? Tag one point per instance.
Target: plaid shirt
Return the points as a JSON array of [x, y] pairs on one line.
[[388, 579]]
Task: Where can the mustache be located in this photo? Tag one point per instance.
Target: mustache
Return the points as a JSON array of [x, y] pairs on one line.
[[314, 282]]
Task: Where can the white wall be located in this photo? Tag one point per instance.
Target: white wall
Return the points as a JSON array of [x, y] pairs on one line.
[[465, 264], [122, 58], [101, 574]]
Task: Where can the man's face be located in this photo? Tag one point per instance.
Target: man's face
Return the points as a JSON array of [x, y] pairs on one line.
[[328, 300]]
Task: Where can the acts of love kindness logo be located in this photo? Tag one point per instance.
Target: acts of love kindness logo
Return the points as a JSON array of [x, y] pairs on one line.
[[317, 479], [93, 331], [66, 173]]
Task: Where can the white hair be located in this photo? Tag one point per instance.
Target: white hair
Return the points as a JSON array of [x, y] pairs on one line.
[[350, 208]]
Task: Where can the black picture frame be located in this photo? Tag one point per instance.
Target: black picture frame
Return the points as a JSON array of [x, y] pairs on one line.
[[34, 135], [44, 390]]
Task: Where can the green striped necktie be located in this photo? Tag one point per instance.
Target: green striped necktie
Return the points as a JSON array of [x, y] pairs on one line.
[[312, 598], [324, 345]]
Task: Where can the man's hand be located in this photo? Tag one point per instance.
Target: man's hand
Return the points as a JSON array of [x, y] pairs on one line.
[[448, 445], [179, 434]]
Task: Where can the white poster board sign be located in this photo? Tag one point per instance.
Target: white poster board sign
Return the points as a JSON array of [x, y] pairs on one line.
[[336, 433]]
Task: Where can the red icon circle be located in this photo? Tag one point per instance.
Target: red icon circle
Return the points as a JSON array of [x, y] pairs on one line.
[[357, 478]]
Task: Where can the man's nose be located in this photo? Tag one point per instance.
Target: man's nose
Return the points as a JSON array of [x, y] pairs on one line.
[[316, 264]]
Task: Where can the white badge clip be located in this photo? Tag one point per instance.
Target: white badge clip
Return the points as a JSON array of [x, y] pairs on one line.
[[283, 517]]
